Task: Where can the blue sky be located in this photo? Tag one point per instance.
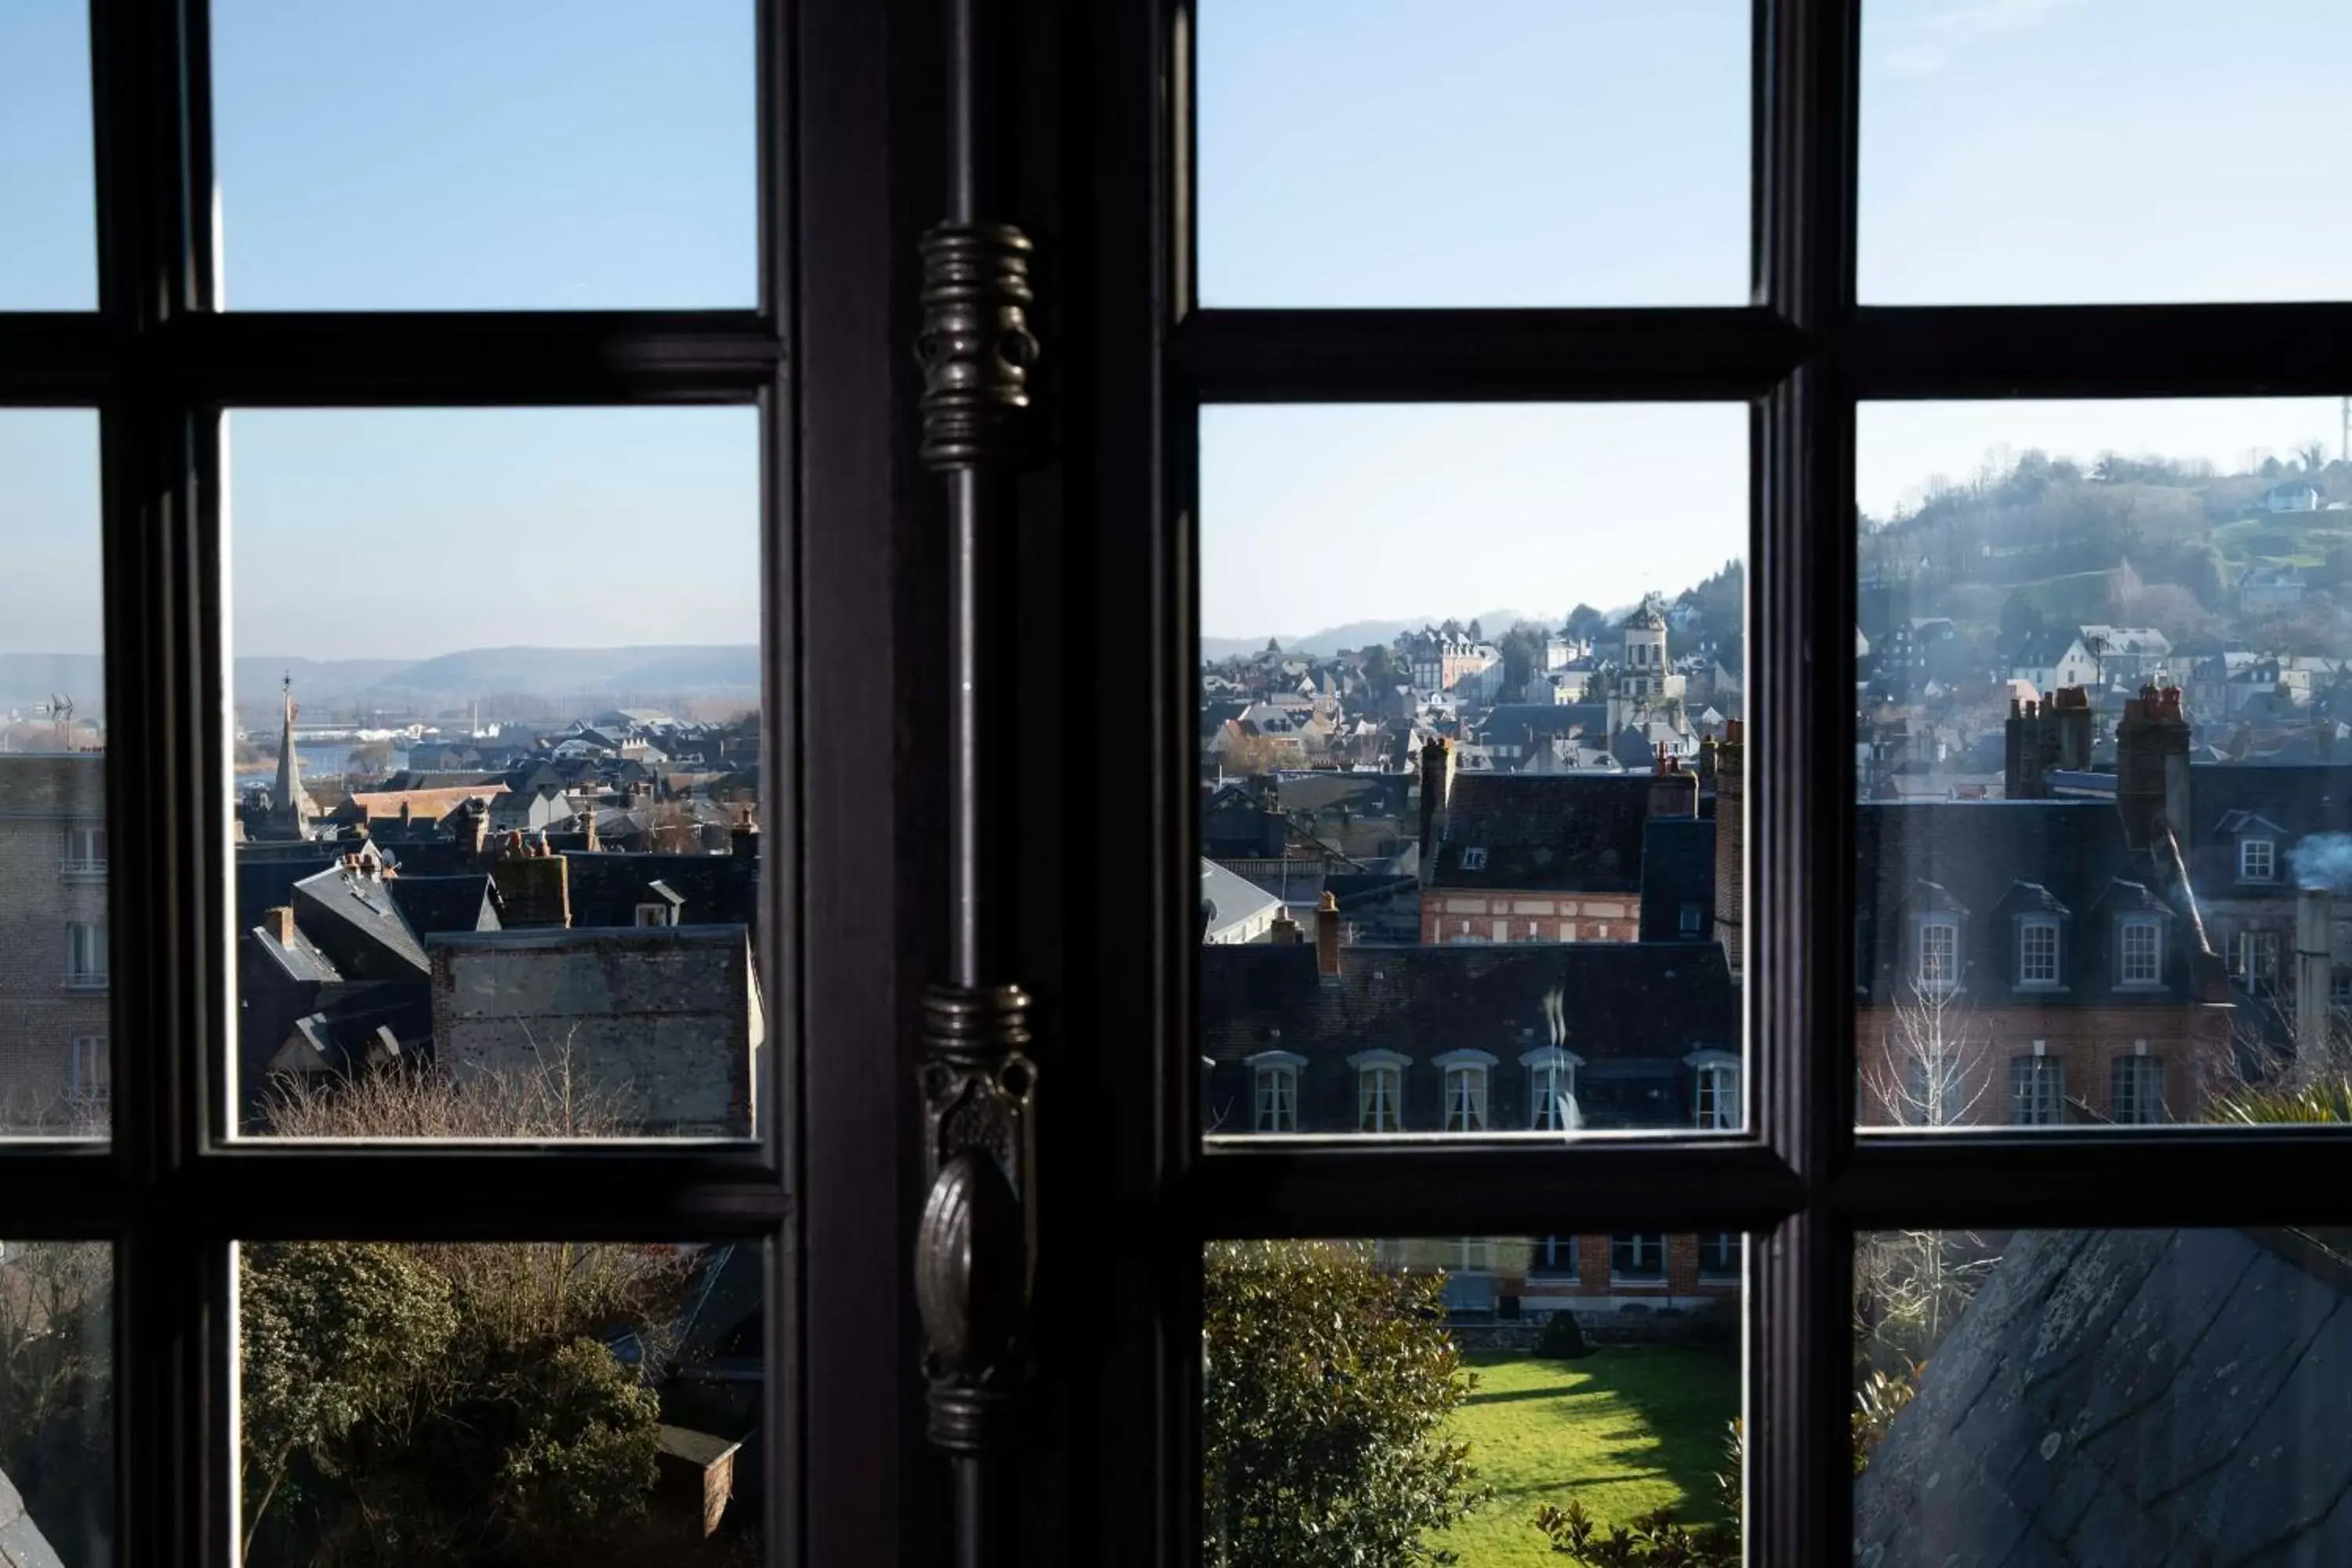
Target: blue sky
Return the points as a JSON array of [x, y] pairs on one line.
[[574, 153]]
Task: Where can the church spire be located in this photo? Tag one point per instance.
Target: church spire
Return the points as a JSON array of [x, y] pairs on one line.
[[291, 807]]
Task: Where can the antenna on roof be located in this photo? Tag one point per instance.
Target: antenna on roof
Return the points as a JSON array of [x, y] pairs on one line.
[[60, 708]]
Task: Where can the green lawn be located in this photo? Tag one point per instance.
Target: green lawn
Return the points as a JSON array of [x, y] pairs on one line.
[[1625, 1430]]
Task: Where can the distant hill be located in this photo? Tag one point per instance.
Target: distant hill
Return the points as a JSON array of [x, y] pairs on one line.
[[1365, 634], [712, 671], [28, 679]]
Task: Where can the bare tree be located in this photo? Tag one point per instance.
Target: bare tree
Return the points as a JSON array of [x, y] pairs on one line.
[[1911, 1285], [1933, 1071], [553, 1098]]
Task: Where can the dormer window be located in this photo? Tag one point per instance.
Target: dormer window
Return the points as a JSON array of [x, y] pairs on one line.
[[1551, 1090], [2140, 952], [1465, 1089], [1714, 1090], [1939, 954], [1473, 858], [1275, 1086], [1379, 1090], [2037, 952], [2257, 861]]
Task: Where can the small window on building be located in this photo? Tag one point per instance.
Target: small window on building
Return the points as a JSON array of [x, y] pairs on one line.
[[1277, 1098], [2037, 1090], [2339, 986], [1465, 1098], [2135, 1090], [1639, 1257], [91, 1074], [1554, 1257], [1717, 1097], [1379, 1099], [2143, 951], [1939, 954], [1720, 1255], [2257, 861], [85, 954], [2254, 960], [656, 915], [1473, 858], [1693, 919], [2037, 952], [85, 851], [1473, 1254]]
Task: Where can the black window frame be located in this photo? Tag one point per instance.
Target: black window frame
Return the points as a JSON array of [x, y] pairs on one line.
[[1801, 1180], [172, 1190]]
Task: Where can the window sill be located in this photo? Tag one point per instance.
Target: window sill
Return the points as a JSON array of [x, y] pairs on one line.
[[1637, 1282], [92, 982]]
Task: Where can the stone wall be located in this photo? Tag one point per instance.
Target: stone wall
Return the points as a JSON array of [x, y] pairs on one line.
[[2128, 1397], [668, 1018]]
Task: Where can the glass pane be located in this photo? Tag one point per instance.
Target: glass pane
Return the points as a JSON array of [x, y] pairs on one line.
[[56, 1403], [1469, 869], [1498, 1398], [497, 826], [561, 154], [1422, 153], [2105, 776], [2047, 152], [2103, 1398], [501, 1403], [48, 239], [54, 1022]]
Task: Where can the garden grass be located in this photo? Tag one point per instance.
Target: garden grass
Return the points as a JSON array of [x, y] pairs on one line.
[[1627, 1429]]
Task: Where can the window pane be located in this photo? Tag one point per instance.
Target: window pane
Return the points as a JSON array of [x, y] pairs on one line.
[[2051, 153], [1496, 153], [1470, 869], [56, 1403], [2104, 781], [48, 240], [497, 825], [523, 1402], [1377, 1401], [445, 155], [54, 1070], [2111, 1397]]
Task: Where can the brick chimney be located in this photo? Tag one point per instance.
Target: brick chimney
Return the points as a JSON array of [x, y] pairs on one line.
[[1730, 762], [1436, 790], [534, 889], [1284, 931], [1674, 790], [1326, 938], [2152, 765], [588, 817], [278, 921]]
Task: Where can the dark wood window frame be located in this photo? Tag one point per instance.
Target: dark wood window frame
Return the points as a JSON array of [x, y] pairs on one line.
[[1801, 1180], [171, 1191]]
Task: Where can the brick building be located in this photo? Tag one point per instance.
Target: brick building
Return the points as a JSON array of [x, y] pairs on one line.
[[1514, 857], [2038, 961], [1531, 1038], [54, 974]]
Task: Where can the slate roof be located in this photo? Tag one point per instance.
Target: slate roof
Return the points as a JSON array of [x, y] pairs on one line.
[[1634, 1012], [354, 920], [716, 889], [432, 904], [2128, 1396], [1363, 794], [1985, 859], [1228, 901], [266, 874], [1677, 868], [1557, 833], [2225, 797], [352, 1025]]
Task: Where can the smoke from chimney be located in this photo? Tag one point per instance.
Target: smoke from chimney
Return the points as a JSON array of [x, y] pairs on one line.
[[2323, 860]]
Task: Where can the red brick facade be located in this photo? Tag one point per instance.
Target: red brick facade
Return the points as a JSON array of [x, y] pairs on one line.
[[1497, 915]]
